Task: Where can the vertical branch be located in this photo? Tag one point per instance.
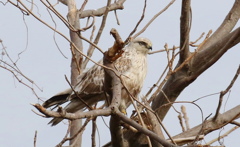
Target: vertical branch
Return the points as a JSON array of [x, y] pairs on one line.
[[184, 112], [113, 86], [185, 25], [222, 93], [155, 126], [73, 19], [94, 127], [35, 139], [91, 48]]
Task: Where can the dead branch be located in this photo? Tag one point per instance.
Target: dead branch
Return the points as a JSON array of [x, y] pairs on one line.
[[94, 128], [222, 93], [155, 126], [115, 51], [235, 123], [35, 139], [180, 118], [102, 26], [118, 5], [185, 25], [184, 112], [76, 62], [222, 136], [162, 50], [75, 135], [226, 27], [84, 102], [154, 17], [113, 86], [210, 125], [20, 80], [71, 116], [66, 136], [200, 61], [192, 43], [205, 58], [72, 29], [143, 130], [138, 23]]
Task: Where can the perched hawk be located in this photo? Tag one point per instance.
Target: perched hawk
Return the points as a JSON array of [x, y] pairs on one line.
[[133, 67]]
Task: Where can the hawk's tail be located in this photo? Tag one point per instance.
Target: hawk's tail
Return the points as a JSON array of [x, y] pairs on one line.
[[76, 104], [58, 99]]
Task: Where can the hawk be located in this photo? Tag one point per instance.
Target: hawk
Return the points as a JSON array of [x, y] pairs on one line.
[[132, 65]]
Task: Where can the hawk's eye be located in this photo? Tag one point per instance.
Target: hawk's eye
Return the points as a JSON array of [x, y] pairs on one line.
[[142, 43]]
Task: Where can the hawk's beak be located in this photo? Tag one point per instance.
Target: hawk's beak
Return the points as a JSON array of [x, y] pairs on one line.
[[150, 47]]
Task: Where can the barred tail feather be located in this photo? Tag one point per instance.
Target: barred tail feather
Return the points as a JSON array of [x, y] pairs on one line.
[[76, 104], [58, 99], [55, 121]]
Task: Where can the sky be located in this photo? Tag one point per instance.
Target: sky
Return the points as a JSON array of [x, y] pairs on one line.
[[32, 46]]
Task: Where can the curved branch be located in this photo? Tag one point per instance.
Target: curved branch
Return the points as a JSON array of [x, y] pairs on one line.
[[211, 125], [226, 27], [205, 58], [99, 12]]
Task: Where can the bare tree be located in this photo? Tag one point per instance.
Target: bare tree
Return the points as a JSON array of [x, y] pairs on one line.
[[144, 127]]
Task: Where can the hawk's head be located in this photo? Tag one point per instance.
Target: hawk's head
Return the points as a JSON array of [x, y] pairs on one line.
[[142, 44]]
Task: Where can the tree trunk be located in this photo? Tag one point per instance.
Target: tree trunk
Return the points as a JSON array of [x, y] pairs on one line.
[[75, 65]]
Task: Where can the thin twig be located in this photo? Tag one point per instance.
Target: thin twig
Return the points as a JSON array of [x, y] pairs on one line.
[[222, 136], [82, 100], [75, 135], [162, 50], [35, 139], [192, 43], [222, 93], [154, 17], [138, 23], [66, 136], [96, 40]]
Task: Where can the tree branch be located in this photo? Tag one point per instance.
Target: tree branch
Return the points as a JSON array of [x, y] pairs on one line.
[[226, 27], [76, 63], [113, 87], [99, 12], [222, 93], [185, 25], [91, 48], [207, 57], [71, 116], [201, 61], [211, 125]]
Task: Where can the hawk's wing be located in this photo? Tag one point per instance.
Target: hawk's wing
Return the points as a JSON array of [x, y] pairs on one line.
[[90, 82]]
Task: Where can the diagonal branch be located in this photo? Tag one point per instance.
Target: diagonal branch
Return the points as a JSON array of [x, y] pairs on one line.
[[91, 48], [226, 27], [222, 93], [211, 125], [154, 17], [205, 58], [200, 62]]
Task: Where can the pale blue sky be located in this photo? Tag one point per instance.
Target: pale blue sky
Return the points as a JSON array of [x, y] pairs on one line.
[[42, 62]]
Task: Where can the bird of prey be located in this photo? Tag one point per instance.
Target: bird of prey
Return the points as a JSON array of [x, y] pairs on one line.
[[132, 65]]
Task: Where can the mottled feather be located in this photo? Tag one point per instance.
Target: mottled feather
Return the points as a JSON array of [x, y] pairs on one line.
[[133, 68]]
